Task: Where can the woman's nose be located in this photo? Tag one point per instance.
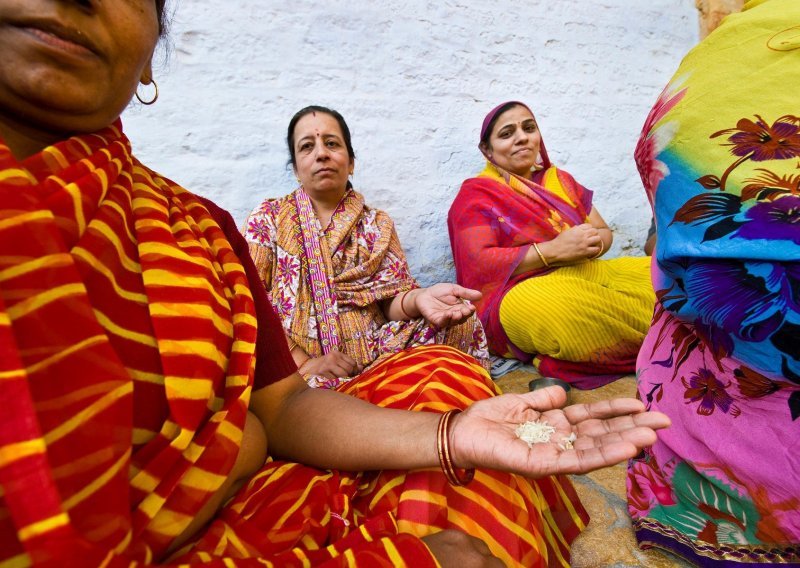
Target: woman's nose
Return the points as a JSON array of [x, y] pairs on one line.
[[322, 152]]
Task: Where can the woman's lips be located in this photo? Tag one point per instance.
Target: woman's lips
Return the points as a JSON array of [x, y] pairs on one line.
[[60, 37]]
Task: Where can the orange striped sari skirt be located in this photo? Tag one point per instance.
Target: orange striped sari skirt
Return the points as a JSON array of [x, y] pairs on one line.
[[299, 516]]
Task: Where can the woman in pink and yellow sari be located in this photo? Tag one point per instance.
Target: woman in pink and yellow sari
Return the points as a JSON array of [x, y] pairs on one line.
[[336, 272], [718, 157]]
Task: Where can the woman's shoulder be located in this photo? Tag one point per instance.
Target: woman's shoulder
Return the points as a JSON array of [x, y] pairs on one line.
[[480, 183], [374, 216], [261, 225], [176, 193], [475, 189], [270, 207], [173, 191]]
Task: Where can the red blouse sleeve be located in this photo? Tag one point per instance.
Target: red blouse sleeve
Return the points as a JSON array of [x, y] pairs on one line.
[[273, 359]]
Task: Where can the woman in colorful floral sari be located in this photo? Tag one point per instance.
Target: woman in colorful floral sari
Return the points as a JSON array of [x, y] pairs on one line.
[[144, 376], [718, 157], [527, 236], [336, 273]]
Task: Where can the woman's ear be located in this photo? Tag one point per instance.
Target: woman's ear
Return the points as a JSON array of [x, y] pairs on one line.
[[147, 73], [486, 150]]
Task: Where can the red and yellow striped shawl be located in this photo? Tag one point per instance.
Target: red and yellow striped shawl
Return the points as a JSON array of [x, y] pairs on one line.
[[127, 334]]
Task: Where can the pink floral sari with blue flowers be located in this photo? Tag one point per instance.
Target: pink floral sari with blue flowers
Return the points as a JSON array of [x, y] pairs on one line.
[[719, 157]]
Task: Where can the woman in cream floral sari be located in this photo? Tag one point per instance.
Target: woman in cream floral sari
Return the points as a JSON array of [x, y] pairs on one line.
[[336, 272]]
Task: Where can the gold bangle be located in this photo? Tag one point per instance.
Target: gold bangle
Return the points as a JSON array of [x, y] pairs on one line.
[[541, 256], [402, 299], [443, 449], [602, 248]]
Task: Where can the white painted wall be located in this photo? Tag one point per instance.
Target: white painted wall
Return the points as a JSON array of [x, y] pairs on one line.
[[414, 79]]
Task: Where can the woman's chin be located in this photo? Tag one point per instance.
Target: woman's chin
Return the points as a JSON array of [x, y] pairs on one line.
[[327, 187]]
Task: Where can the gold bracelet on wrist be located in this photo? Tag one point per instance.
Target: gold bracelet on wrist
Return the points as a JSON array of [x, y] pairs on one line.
[[602, 248], [541, 256]]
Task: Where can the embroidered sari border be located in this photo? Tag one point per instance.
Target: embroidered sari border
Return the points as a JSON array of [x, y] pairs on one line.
[[650, 533]]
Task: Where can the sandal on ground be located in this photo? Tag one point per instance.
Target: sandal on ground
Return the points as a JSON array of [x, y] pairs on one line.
[[502, 366]]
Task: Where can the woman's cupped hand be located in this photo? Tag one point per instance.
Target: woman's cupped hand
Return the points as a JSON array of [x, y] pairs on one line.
[[445, 304], [605, 433]]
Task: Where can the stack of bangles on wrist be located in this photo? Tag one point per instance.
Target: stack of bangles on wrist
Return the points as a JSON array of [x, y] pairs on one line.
[[541, 256], [602, 248], [443, 449]]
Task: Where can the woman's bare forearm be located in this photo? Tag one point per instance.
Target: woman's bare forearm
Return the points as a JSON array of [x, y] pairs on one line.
[[394, 311], [327, 429]]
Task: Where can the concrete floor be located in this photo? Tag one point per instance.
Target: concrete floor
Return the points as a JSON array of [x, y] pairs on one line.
[[608, 540]]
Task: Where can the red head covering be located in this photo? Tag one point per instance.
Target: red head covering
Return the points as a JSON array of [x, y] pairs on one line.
[[544, 160]]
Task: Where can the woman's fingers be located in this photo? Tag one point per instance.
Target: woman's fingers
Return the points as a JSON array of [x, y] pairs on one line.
[[547, 398], [586, 460], [603, 409], [638, 436], [467, 293]]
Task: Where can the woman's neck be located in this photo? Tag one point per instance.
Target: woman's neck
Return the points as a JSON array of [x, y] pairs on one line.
[[527, 174], [24, 140], [325, 204]]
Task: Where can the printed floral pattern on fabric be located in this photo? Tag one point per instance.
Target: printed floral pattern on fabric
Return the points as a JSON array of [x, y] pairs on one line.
[[284, 296], [753, 301], [722, 357], [655, 137], [361, 250]]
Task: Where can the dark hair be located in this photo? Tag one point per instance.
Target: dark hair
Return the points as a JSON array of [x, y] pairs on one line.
[[162, 17], [312, 109], [489, 127]]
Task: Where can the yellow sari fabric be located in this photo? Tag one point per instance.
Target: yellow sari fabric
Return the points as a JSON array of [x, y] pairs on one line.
[[594, 312]]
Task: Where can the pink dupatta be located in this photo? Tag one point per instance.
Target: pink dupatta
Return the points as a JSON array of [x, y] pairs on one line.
[[321, 287]]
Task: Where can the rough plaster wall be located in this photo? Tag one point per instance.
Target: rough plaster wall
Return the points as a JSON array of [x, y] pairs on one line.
[[414, 80]]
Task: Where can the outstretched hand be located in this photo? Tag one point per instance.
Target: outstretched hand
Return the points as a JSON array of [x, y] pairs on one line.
[[443, 305], [607, 432]]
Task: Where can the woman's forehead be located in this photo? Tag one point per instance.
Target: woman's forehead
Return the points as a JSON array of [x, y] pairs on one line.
[[317, 123], [513, 115]]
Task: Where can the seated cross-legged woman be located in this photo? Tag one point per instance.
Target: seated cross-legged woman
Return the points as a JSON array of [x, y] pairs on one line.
[[526, 235], [335, 270]]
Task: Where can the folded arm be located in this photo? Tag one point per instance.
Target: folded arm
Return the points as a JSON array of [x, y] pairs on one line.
[[576, 244]]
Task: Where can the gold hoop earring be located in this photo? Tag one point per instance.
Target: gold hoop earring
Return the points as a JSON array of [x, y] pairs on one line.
[[155, 95]]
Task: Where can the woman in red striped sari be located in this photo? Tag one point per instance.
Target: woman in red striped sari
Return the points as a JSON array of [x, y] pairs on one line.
[[144, 378]]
